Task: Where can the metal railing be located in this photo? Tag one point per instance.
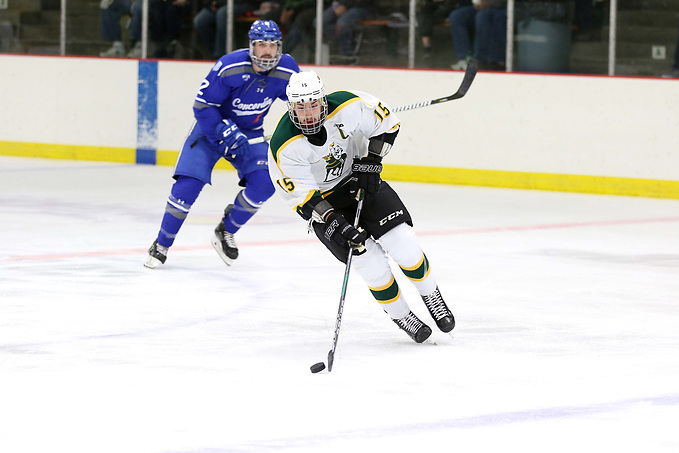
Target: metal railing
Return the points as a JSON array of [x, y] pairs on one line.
[[618, 50]]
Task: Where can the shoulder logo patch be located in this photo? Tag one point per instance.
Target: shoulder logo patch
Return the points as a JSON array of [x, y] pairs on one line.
[[339, 127]]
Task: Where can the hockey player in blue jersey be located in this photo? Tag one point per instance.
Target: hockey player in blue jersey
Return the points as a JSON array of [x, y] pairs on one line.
[[229, 109]]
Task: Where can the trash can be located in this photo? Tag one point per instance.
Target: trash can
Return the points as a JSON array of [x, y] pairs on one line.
[[543, 35]]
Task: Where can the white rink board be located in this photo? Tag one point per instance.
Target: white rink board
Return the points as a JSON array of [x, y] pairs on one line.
[[600, 126], [68, 101]]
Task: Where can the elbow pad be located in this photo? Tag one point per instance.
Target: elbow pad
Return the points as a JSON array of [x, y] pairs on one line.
[[380, 145]]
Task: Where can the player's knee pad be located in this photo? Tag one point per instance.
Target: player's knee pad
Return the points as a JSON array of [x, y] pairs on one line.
[[401, 244], [373, 265], [258, 187], [187, 188], [184, 192]]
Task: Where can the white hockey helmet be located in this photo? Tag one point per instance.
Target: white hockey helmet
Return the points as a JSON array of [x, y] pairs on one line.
[[307, 104]]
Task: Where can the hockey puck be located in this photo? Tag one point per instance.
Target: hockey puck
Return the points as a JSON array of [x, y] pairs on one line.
[[316, 367]]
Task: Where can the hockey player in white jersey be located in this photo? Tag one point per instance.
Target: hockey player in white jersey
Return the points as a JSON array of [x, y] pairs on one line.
[[321, 154]]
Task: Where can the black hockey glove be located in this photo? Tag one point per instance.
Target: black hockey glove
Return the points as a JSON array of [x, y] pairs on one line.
[[337, 229], [366, 174]]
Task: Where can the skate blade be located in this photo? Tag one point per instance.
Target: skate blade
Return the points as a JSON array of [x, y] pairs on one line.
[[218, 248], [152, 262]]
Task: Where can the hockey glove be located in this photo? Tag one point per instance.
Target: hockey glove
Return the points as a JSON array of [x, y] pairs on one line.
[[337, 229], [232, 141], [366, 174]]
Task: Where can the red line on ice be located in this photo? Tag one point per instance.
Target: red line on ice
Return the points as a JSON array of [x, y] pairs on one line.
[[274, 243]]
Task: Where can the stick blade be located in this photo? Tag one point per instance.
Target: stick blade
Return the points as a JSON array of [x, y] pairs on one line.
[[470, 73], [331, 359]]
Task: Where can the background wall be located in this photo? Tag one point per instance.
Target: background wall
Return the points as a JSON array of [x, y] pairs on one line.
[[574, 133]]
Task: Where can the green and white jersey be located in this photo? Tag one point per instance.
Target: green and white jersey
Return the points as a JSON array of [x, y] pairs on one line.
[[301, 170]]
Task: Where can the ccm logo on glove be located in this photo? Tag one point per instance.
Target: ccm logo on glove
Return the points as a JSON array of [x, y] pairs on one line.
[[233, 142]]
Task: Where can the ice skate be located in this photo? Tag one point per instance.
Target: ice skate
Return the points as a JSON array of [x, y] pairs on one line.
[[224, 242], [416, 329], [439, 311], [157, 255]]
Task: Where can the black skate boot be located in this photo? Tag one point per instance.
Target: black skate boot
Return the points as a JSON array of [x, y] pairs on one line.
[[439, 311], [157, 255], [416, 329], [223, 241]]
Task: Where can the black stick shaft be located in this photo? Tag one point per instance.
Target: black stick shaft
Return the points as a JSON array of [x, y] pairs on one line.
[[470, 73], [331, 354]]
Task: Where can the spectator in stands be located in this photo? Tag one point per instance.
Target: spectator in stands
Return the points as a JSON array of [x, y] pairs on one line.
[[486, 21], [296, 19], [584, 21], [112, 11], [210, 23], [461, 22], [135, 30], [339, 21], [674, 73], [431, 13], [165, 25]]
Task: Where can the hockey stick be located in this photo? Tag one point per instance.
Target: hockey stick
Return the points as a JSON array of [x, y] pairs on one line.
[[470, 73], [331, 354], [315, 368]]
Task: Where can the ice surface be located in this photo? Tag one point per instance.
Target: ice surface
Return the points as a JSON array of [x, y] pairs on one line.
[[567, 335]]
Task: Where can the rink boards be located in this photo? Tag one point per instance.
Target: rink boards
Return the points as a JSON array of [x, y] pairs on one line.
[[590, 134]]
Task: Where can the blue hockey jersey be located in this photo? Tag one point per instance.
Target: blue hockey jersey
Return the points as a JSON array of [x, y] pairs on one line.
[[234, 90]]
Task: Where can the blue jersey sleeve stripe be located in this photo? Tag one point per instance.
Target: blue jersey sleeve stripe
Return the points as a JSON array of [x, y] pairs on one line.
[[281, 75], [288, 70], [237, 68], [203, 104]]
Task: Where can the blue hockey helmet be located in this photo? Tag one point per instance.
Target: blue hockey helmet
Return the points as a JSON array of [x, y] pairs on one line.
[[265, 30]]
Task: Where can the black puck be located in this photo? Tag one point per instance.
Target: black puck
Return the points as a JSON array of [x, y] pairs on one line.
[[316, 367]]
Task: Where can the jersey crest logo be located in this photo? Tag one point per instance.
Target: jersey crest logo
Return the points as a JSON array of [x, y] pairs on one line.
[[246, 77], [334, 162]]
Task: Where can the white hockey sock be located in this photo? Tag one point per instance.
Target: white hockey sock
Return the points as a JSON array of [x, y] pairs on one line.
[[401, 244], [373, 266], [390, 299]]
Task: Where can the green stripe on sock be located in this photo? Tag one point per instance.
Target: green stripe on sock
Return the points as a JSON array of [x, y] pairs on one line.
[[420, 272], [386, 295]]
